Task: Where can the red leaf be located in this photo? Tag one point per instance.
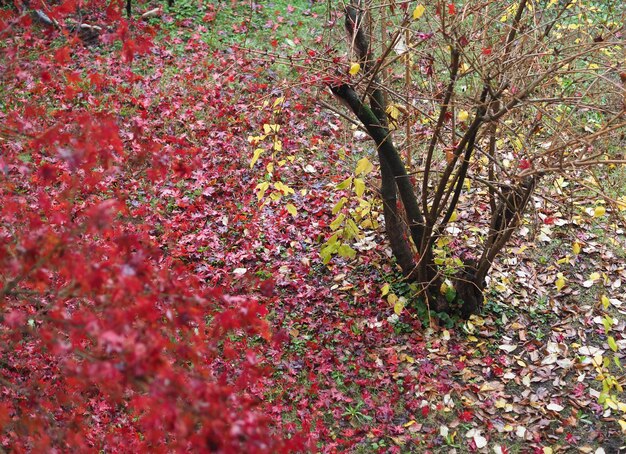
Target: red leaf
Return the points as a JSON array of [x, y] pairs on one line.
[[466, 416], [62, 55], [15, 319]]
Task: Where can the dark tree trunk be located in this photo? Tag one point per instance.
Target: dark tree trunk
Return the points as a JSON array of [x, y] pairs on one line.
[[408, 222]]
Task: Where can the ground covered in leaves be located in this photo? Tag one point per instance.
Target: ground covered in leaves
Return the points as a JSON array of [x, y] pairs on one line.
[[355, 372]]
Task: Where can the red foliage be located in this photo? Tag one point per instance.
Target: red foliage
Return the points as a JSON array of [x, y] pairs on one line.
[[108, 341]]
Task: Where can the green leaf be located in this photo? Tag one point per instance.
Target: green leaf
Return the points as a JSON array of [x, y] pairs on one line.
[[339, 205], [612, 344], [337, 222], [346, 251], [352, 229], [329, 248], [326, 255], [617, 362], [332, 239], [345, 183], [450, 294], [607, 321]]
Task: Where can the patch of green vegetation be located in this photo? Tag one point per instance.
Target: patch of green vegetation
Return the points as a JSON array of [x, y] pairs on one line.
[[355, 414], [266, 25]]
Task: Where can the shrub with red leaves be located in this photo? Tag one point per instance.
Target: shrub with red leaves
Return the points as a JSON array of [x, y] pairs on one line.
[[107, 341]]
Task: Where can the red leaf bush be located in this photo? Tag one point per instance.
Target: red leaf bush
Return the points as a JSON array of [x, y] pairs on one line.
[[108, 342]]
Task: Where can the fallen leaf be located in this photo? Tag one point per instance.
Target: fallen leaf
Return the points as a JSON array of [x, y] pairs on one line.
[[599, 211], [554, 407]]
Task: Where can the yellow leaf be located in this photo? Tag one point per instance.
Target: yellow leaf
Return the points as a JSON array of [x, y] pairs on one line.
[[576, 248], [278, 145], [385, 289], [292, 209], [355, 68], [363, 167], [283, 188], [454, 216], [267, 128], [359, 187], [418, 11], [261, 188], [612, 344], [393, 111], [622, 425], [597, 360], [255, 156], [594, 276], [610, 403], [398, 306], [605, 301], [392, 299], [599, 211], [443, 241], [463, 115], [559, 284], [565, 259]]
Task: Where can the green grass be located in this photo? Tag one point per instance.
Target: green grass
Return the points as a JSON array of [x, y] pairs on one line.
[[271, 25]]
